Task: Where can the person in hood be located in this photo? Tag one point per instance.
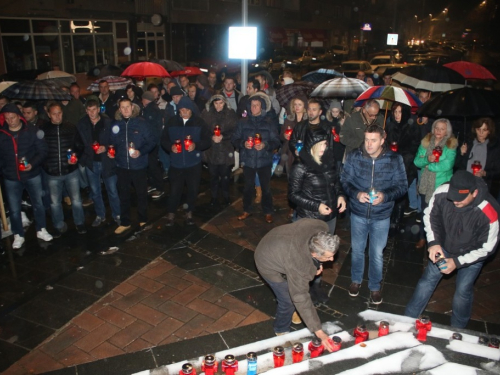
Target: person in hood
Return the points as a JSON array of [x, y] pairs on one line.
[[257, 157], [314, 188], [220, 156], [373, 178], [185, 165], [22, 144], [461, 223]]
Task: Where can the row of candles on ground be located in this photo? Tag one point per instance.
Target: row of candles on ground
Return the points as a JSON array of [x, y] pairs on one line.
[[229, 364]]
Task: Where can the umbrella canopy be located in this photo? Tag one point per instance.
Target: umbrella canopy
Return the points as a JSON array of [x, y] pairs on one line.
[[58, 77], [115, 83], [389, 94], [189, 71], [169, 65], [321, 75], [434, 78], [142, 70], [286, 93], [104, 70], [470, 70], [340, 88], [5, 84], [36, 90]]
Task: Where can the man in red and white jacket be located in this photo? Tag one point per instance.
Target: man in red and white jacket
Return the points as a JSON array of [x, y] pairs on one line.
[[462, 229]]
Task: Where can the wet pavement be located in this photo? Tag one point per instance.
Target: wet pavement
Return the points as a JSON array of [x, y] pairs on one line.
[[169, 294]]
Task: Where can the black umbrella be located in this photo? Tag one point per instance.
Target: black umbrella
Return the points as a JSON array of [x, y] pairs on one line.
[[465, 103], [321, 75]]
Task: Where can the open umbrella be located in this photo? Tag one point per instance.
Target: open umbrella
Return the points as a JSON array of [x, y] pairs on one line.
[[5, 84], [142, 70], [470, 70], [434, 78], [104, 70], [465, 103], [286, 93], [169, 65], [36, 90], [58, 77], [340, 88], [115, 83], [189, 71], [321, 75], [389, 94]]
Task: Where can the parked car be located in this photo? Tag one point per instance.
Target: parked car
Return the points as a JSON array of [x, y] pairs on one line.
[[398, 56], [351, 67], [322, 54], [340, 50], [381, 60], [282, 58], [304, 60]]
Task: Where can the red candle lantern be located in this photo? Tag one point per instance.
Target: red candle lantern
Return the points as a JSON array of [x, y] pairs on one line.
[[229, 365], [336, 137], [73, 159], [336, 343], [315, 347], [23, 164], [394, 146], [423, 325], [476, 167], [297, 352], [360, 333], [95, 146], [494, 343], [288, 132], [187, 369], [279, 356], [217, 131], [178, 145], [383, 328], [187, 142], [250, 141], [209, 365], [258, 139], [111, 150], [437, 152]]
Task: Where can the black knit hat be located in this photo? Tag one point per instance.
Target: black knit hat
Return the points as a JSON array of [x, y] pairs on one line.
[[11, 108], [462, 184]]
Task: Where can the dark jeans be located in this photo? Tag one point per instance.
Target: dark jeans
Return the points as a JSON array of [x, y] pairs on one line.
[[94, 178], [155, 173], [285, 308], [264, 175], [139, 180], [178, 178], [219, 176], [423, 205]]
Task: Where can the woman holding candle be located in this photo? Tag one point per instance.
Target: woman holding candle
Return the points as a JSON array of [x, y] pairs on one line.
[[221, 120], [436, 170], [482, 147]]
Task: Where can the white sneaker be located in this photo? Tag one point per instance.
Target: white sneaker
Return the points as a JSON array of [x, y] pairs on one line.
[[18, 241], [44, 235]]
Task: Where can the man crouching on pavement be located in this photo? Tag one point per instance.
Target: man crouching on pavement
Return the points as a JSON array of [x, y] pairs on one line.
[[288, 257]]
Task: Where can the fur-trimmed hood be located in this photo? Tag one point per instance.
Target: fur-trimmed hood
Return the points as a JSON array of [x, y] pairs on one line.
[[451, 143], [263, 97], [136, 110], [208, 105]]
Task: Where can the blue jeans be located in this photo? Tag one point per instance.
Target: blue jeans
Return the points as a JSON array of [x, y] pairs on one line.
[[14, 191], [413, 196], [378, 230], [94, 178], [285, 308], [72, 183], [462, 299]]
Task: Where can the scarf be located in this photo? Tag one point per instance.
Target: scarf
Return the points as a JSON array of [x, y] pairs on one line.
[[479, 152], [427, 183]]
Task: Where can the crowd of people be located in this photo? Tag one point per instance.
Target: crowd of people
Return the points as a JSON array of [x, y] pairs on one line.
[[374, 169]]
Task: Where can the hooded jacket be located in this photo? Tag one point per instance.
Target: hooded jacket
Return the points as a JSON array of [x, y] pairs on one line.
[[29, 144], [311, 184], [135, 130], [468, 234], [248, 127], [385, 173], [221, 153], [285, 251], [176, 129]]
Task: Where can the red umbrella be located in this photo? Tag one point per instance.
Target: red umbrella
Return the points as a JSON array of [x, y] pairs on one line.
[[187, 71], [471, 70], [145, 69]]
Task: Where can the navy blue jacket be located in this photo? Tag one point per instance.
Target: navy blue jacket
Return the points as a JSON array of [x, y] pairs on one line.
[[248, 127], [29, 143], [389, 177], [154, 117], [175, 129], [136, 130], [85, 128]]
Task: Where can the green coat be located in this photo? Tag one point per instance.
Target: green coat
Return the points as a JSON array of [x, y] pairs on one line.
[[443, 168]]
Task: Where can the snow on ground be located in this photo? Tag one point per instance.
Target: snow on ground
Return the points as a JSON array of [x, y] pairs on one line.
[[453, 368], [420, 358], [474, 349]]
